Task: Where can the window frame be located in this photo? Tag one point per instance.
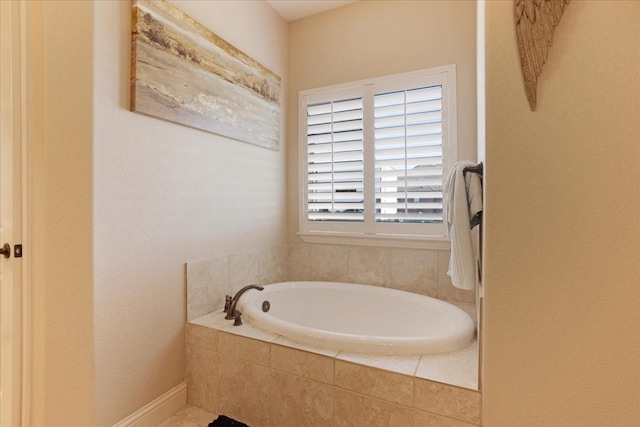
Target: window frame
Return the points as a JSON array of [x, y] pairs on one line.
[[368, 232]]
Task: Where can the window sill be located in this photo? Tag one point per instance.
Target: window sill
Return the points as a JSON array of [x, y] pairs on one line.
[[379, 240]]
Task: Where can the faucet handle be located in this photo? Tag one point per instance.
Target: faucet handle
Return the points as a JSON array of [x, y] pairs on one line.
[[237, 318], [227, 303]]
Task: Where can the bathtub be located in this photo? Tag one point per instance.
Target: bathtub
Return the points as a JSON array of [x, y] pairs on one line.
[[358, 318]]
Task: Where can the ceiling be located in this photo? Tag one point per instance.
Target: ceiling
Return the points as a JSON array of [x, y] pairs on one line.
[[291, 10]]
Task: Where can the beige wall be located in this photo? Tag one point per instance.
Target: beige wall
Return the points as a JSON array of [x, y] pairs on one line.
[[376, 38], [123, 201], [562, 293], [60, 107]]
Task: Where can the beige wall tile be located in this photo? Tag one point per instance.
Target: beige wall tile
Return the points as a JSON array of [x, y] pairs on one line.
[[201, 336], [298, 262], [415, 270], [373, 382], [245, 391], [244, 269], [356, 410], [273, 266], [454, 402], [329, 262], [427, 419], [304, 364], [244, 348], [207, 285], [446, 290], [201, 378], [300, 402], [370, 266]]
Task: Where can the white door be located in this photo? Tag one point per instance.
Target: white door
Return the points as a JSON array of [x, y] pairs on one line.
[[11, 136]]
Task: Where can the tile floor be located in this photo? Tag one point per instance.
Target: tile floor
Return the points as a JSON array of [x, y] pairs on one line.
[[189, 416]]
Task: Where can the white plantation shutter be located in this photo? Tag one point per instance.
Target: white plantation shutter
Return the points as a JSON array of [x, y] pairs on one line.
[[335, 164], [408, 155], [373, 154]]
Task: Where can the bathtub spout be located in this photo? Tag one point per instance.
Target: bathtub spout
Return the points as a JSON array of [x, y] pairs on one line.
[[232, 312]]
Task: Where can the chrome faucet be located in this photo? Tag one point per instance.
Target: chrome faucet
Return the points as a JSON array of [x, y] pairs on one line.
[[232, 302]]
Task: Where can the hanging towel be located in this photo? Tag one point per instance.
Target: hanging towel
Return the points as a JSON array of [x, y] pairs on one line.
[[462, 207]]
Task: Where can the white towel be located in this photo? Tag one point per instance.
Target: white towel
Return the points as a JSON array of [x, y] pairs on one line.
[[462, 202]]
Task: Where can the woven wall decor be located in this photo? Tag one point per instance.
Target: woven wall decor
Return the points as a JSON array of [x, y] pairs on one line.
[[535, 23]]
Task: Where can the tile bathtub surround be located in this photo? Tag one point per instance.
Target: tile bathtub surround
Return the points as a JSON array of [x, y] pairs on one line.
[[210, 280], [414, 270], [297, 401], [228, 367], [244, 390], [420, 271], [355, 409], [454, 402], [202, 378], [395, 388], [371, 266], [207, 285], [328, 263], [307, 365], [269, 382]]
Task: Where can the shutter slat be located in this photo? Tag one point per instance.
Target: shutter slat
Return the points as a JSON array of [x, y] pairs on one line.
[[424, 94], [414, 209], [434, 182], [418, 107], [435, 172], [410, 195], [410, 152], [423, 217], [414, 141], [340, 167], [313, 187], [319, 139], [342, 176], [338, 216], [411, 163], [318, 207], [413, 130]]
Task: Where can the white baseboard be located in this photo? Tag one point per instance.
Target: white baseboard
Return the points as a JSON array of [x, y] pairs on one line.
[[154, 413]]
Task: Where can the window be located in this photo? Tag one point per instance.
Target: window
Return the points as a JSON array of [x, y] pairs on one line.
[[374, 153]]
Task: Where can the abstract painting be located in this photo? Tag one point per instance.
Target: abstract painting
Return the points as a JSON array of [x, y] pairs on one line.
[[184, 73]]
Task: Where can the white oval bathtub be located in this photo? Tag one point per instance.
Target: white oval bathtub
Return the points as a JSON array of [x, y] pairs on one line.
[[359, 318]]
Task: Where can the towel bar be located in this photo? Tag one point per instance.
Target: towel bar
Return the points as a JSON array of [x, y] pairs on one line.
[[479, 169]]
